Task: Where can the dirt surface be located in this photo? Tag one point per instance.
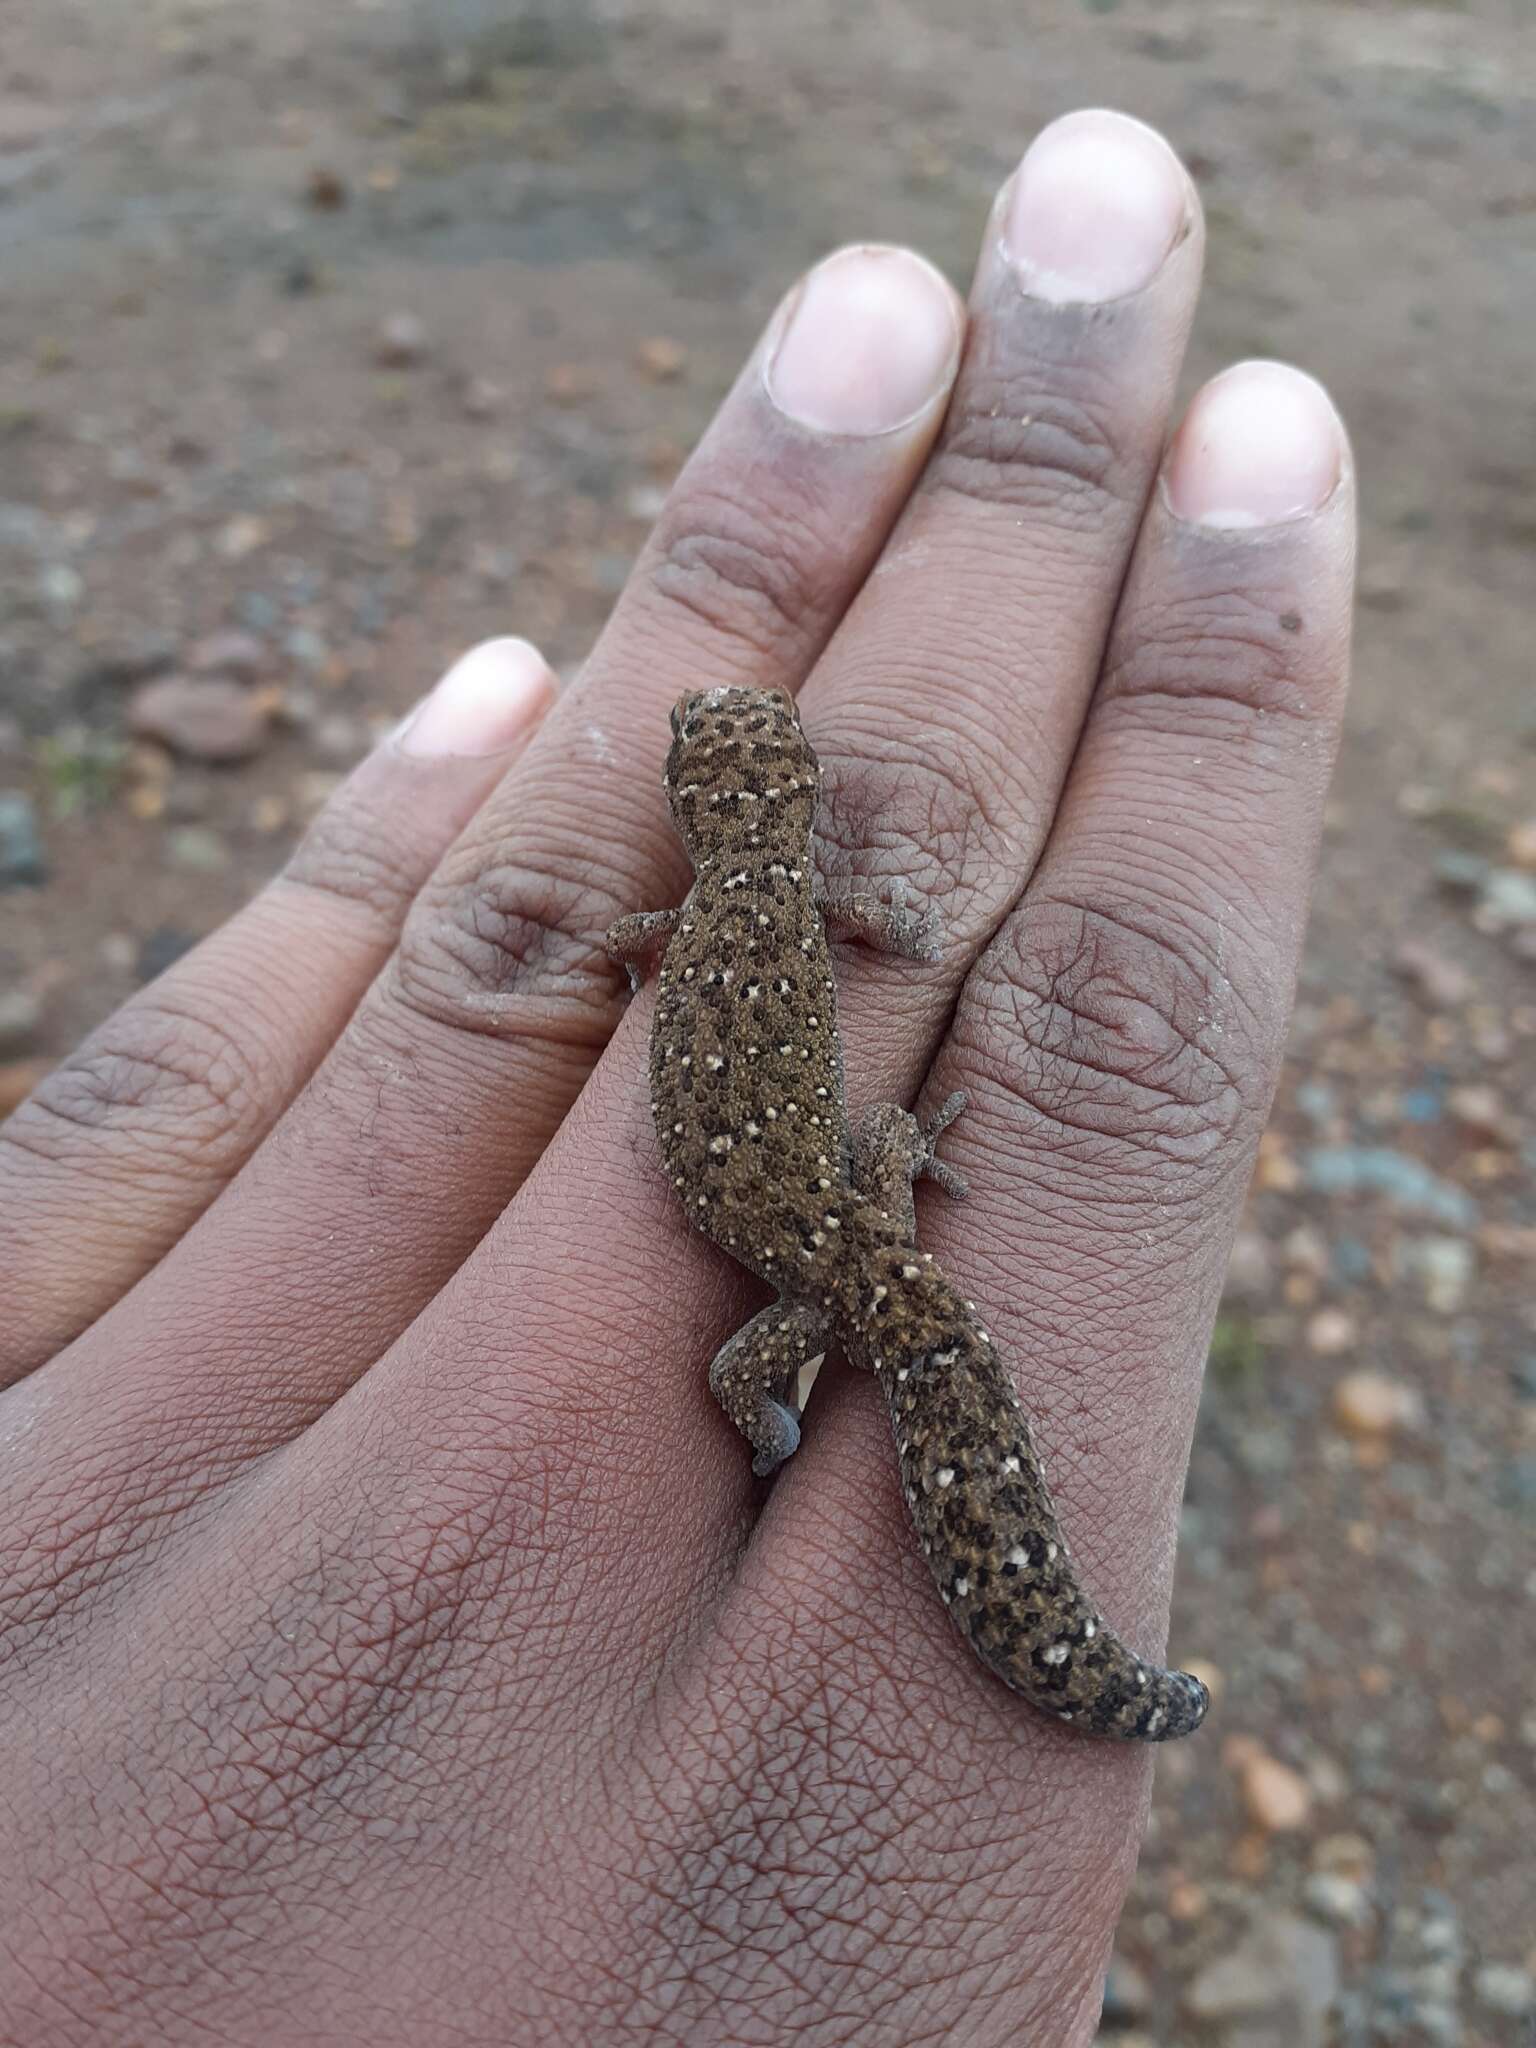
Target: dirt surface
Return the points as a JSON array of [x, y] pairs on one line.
[[217, 220]]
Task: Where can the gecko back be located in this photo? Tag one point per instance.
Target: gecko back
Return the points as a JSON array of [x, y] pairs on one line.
[[747, 1088]]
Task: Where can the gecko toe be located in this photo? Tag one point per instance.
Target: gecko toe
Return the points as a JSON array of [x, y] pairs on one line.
[[949, 1178], [776, 1438]]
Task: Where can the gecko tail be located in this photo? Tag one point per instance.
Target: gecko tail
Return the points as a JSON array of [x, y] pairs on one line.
[[983, 1513]]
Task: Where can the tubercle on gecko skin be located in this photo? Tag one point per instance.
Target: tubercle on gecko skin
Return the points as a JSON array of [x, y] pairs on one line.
[[749, 1105]]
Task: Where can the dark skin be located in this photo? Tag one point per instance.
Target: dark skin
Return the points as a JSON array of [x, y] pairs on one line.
[[396, 1646]]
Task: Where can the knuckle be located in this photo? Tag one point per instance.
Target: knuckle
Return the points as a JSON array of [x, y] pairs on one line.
[[1118, 1043], [508, 948], [1010, 444], [911, 810], [744, 577], [175, 1084], [68, 1536]]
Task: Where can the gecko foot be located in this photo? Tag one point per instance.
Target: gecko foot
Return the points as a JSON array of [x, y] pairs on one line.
[[928, 1165], [776, 1436], [889, 927]]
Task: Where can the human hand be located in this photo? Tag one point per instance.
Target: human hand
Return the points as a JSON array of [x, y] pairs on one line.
[[396, 1647]]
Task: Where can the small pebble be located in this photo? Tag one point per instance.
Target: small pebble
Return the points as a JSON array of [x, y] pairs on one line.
[[21, 848], [1331, 1332], [325, 190], [339, 741], [1508, 898], [1440, 981], [570, 384], [1345, 1855], [1443, 1267], [481, 399], [212, 720], [1278, 1800], [1407, 1183], [1458, 873], [1127, 1994], [20, 1015], [1515, 1483], [1370, 1404], [1283, 1970], [241, 536], [269, 814], [196, 849], [661, 359], [1336, 1900], [1481, 1111], [401, 342], [1503, 1989]]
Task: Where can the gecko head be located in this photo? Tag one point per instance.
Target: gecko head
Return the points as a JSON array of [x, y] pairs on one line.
[[740, 769]]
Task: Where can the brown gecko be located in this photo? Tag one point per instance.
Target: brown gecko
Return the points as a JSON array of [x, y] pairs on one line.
[[749, 1103]]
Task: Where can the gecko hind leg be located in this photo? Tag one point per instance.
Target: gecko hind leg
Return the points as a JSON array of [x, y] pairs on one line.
[[892, 1149], [754, 1376]]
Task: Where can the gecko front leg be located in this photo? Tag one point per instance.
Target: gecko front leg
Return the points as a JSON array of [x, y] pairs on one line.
[[753, 1378], [635, 940], [891, 926]]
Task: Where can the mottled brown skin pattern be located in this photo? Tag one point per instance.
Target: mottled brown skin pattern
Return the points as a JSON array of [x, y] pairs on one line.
[[747, 1093]]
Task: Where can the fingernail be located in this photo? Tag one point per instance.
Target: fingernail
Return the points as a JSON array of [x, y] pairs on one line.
[[1096, 205], [868, 344], [488, 700], [1259, 444]]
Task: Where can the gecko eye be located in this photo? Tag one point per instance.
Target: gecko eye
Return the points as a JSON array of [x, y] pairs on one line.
[[675, 716]]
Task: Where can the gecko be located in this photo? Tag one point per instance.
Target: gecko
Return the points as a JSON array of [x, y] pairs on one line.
[[751, 1111]]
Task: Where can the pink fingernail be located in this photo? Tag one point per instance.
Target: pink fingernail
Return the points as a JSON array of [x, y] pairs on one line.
[[1260, 443], [1096, 205], [871, 341], [488, 700]]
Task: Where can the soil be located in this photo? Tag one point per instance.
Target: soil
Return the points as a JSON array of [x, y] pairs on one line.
[[371, 329]]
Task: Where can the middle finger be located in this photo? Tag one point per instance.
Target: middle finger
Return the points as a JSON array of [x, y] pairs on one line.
[[946, 710]]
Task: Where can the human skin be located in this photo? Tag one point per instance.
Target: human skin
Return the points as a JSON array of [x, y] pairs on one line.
[[396, 1647]]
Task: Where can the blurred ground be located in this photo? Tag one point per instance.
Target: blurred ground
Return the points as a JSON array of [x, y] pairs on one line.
[[361, 332]]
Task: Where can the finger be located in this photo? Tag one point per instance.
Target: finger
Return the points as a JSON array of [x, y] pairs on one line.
[[127, 1142], [1119, 1042], [471, 1046]]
